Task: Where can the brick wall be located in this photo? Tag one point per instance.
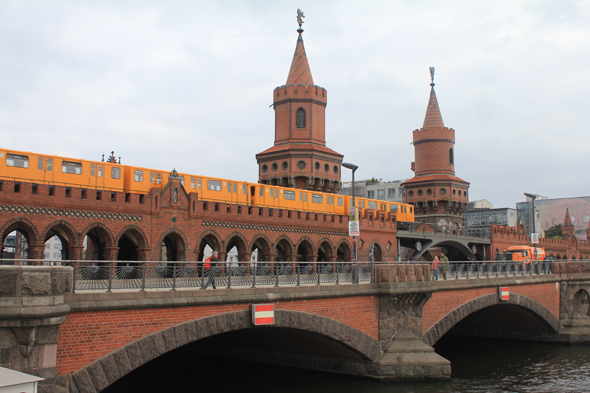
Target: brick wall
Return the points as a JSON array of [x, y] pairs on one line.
[[87, 336], [443, 302]]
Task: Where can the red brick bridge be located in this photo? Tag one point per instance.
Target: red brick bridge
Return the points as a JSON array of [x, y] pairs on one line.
[[85, 341]]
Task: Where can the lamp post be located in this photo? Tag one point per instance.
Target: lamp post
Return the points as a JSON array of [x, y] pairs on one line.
[[533, 197], [353, 168]]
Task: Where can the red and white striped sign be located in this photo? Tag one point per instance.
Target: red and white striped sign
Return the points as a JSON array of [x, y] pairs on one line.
[[263, 314], [504, 293]]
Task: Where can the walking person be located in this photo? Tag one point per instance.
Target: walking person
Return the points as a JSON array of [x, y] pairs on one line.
[[209, 271], [444, 264], [434, 267]]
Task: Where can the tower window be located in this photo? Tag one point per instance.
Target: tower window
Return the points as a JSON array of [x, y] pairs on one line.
[[300, 118], [451, 159]]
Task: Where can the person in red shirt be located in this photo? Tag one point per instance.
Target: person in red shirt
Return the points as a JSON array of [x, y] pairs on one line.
[[208, 271]]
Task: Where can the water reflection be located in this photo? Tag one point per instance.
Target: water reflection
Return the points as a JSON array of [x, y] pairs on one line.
[[479, 365]]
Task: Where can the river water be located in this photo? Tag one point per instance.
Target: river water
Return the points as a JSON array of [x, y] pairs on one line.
[[478, 365]]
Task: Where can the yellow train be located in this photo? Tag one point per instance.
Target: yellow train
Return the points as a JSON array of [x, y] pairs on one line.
[[48, 169]]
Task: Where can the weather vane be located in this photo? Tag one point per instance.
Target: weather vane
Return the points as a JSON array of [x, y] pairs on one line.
[[432, 76], [300, 17]]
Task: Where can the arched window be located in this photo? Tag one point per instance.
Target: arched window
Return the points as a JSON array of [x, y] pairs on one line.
[[300, 118], [451, 159], [176, 195]]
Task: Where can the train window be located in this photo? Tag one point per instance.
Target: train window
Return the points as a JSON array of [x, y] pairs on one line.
[[301, 196], [92, 170], [393, 208], [410, 210], [99, 170], [138, 176], [198, 183], [158, 178], [214, 185], [261, 191], [152, 177], [290, 195], [244, 188], [71, 167], [305, 197], [235, 187], [317, 198], [17, 160], [116, 173], [40, 163], [340, 201], [363, 204], [50, 164], [373, 205], [228, 187], [192, 182]]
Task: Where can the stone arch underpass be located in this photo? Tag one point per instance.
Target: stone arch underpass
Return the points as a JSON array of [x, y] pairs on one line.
[[533, 317], [358, 348]]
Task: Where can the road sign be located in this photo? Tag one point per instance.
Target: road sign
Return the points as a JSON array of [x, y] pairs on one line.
[[534, 238], [263, 314], [504, 293], [353, 228]]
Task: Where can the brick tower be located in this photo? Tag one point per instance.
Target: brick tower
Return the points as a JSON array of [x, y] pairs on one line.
[[299, 157], [567, 228], [438, 196]]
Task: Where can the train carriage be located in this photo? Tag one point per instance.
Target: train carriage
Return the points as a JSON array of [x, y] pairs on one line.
[[63, 171]]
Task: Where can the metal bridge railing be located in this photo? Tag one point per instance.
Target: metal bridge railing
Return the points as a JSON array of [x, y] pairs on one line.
[[138, 275], [490, 269]]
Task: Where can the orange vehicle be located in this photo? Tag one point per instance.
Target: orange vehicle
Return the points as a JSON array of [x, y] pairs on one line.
[[75, 172], [526, 254], [63, 171]]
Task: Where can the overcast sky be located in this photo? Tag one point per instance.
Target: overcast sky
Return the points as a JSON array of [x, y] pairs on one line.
[[188, 84]]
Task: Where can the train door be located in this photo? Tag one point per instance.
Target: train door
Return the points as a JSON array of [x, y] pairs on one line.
[[303, 199]]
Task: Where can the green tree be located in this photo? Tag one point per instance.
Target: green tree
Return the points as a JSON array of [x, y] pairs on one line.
[[554, 232]]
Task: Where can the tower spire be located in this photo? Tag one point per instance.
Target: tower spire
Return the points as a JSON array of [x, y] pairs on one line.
[[433, 117], [300, 73]]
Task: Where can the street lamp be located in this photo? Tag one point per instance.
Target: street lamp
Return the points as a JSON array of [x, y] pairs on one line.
[[533, 197], [353, 168]]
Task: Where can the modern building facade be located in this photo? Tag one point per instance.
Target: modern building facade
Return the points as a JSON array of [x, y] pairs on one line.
[[476, 222], [374, 189]]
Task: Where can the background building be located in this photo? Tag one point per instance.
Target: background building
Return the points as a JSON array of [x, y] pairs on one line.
[[374, 189], [551, 212]]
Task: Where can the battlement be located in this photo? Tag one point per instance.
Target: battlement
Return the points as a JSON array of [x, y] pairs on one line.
[[300, 91], [63, 196], [424, 134]]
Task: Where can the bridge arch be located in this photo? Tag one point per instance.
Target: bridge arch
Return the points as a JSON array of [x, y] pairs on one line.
[[305, 250], [239, 241], [263, 245], [283, 248], [325, 250], [28, 230], [208, 238], [174, 245], [132, 244], [66, 234], [100, 239], [432, 335], [103, 372]]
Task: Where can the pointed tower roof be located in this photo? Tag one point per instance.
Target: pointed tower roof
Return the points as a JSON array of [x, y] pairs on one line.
[[567, 220], [433, 117], [300, 71]]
